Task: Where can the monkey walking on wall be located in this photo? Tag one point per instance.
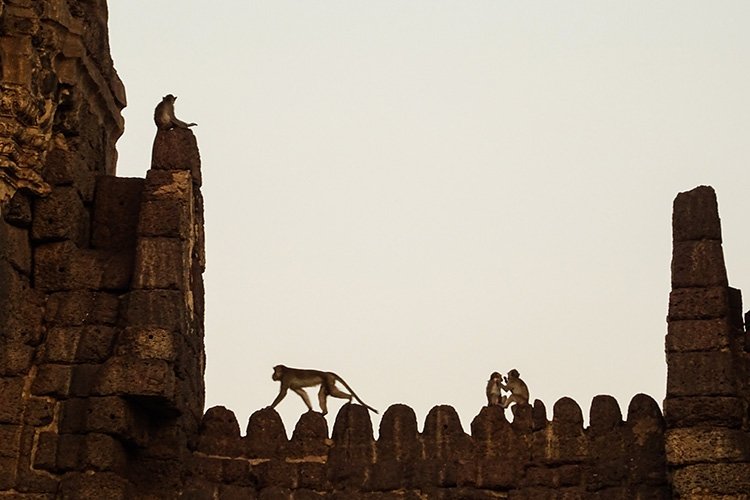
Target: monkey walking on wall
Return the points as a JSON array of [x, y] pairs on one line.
[[519, 392], [296, 379], [164, 115]]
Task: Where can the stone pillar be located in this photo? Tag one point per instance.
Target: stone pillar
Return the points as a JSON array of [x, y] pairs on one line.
[[706, 405]]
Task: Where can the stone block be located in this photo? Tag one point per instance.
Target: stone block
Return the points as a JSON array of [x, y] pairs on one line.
[[146, 342], [81, 307], [52, 380], [101, 270], [177, 149], [698, 335], [39, 411], [276, 473], [83, 379], [103, 453], [206, 468], [231, 492], [11, 400], [8, 468], [15, 358], [95, 485], [15, 247], [161, 263], [695, 215], [165, 218], [18, 210], [59, 167], [695, 410], [237, 471], [52, 266], [60, 216], [86, 344], [117, 204], [45, 457], [168, 185], [706, 445], [698, 264], [107, 415], [61, 345], [10, 437], [156, 308], [700, 374], [698, 303], [728, 480], [22, 310], [130, 376]]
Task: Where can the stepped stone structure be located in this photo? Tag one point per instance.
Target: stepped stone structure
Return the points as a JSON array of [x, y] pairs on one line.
[[101, 336]]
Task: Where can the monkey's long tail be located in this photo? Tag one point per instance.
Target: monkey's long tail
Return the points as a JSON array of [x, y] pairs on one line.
[[354, 394]]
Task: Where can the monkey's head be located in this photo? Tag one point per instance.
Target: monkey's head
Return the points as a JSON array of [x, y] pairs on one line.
[[169, 98], [514, 373], [278, 371], [494, 376]]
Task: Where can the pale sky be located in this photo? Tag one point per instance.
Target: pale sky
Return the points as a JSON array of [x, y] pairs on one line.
[[414, 194]]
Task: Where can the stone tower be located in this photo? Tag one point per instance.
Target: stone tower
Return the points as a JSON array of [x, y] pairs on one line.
[[101, 332]]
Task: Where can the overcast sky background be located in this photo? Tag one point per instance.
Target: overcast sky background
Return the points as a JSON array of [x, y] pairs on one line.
[[414, 194]]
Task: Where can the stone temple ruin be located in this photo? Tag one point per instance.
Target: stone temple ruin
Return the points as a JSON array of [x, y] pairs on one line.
[[101, 336]]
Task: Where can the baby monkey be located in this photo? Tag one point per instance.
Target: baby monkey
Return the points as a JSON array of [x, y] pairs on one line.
[[164, 115], [494, 384], [296, 378]]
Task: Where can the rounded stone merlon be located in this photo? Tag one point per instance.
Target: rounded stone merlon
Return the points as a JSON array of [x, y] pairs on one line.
[[605, 414], [399, 436], [352, 420], [539, 415], [490, 421], [311, 425], [695, 215], [220, 421], [266, 436], [219, 433], [310, 436], [442, 421], [643, 407], [567, 412]]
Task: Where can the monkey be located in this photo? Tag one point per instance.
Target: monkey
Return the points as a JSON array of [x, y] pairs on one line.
[[164, 115], [296, 378], [519, 392], [494, 396]]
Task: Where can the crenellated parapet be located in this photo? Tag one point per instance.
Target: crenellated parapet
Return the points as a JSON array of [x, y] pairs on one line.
[[611, 458]]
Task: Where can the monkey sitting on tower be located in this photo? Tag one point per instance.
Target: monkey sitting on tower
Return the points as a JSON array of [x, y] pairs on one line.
[[164, 115]]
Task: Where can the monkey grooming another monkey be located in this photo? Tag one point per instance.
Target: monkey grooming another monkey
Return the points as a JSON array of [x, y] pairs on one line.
[[494, 395], [296, 378], [519, 392], [164, 115]]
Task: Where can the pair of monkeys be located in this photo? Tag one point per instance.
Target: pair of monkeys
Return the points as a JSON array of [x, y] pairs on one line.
[[519, 392]]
